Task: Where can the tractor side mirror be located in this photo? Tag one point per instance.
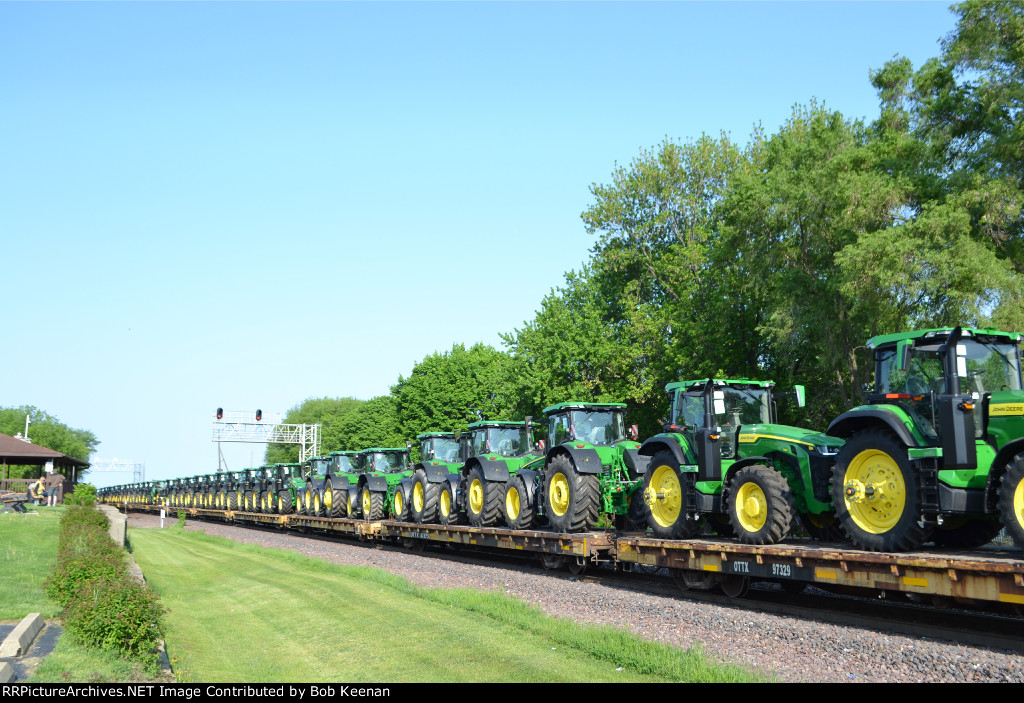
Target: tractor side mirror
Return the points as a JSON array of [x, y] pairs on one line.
[[801, 396]]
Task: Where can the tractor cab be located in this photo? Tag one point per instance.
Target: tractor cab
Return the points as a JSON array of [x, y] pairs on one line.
[[505, 439], [601, 424], [439, 446], [383, 461]]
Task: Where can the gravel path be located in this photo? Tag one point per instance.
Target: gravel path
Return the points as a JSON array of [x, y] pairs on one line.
[[790, 648]]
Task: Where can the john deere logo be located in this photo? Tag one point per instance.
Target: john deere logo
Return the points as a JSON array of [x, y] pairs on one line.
[[1007, 409]]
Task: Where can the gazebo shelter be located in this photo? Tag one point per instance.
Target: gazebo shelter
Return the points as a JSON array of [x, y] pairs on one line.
[[16, 451]]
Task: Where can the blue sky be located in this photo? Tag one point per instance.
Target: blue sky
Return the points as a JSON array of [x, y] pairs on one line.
[[248, 204]]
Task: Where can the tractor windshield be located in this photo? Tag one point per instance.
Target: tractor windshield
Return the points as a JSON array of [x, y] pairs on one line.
[[386, 462], [743, 406], [445, 449], [991, 367], [341, 464], [599, 426], [506, 441]]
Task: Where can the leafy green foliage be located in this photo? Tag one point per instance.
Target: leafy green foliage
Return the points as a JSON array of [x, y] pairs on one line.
[[84, 494], [116, 614], [331, 413], [45, 431]]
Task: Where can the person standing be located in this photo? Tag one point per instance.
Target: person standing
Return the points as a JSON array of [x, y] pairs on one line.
[[54, 481]]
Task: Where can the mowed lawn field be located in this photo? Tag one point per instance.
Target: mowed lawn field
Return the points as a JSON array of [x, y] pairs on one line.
[[244, 613], [28, 548]]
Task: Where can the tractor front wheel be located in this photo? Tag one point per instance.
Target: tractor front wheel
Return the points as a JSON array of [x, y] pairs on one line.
[[424, 498], [1011, 500], [373, 505], [573, 499], [760, 505], [665, 499], [965, 533], [876, 494], [335, 503], [447, 510], [483, 499], [518, 508], [401, 506]]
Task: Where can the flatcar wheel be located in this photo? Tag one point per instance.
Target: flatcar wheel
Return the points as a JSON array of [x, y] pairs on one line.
[[734, 586], [552, 561], [679, 577], [576, 567]]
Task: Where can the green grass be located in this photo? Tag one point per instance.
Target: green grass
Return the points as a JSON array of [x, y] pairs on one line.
[[71, 662], [248, 614], [28, 547]]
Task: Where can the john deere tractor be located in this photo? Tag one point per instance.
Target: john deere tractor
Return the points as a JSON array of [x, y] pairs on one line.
[[592, 467], [724, 456], [938, 451], [502, 456], [309, 500], [438, 468], [285, 487], [338, 494], [380, 485]]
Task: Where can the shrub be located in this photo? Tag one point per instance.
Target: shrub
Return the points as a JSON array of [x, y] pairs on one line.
[[84, 494], [121, 615]]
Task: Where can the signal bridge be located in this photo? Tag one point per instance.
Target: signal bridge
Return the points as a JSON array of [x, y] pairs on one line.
[[266, 428]]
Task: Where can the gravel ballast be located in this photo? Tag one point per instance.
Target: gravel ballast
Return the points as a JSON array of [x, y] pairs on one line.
[[791, 649]]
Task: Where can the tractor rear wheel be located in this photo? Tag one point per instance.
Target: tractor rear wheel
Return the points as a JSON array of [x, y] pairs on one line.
[[518, 508], [354, 506], [665, 499], [876, 494], [483, 499], [233, 500], [373, 504], [1011, 500], [285, 502], [424, 498], [573, 499], [250, 504], [822, 526], [760, 505], [447, 511]]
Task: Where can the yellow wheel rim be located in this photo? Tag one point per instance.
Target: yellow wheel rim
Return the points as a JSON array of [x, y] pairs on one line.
[[280, 504], [512, 503], [316, 502], [398, 503], [875, 493], [367, 503], [328, 498], [665, 496], [446, 504], [476, 496], [558, 494], [1018, 502], [417, 498], [751, 507]]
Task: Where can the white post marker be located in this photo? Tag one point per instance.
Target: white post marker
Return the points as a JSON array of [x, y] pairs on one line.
[[163, 512]]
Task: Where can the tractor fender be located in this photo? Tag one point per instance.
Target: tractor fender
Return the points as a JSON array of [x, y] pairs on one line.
[[492, 470], [744, 463], [316, 483], [855, 420], [338, 483], [661, 442], [435, 473], [585, 460], [405, 486], [377, 484], [636, 462], [530, 480]]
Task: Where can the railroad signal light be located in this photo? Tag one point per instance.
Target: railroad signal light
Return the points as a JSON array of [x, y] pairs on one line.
[[259, 415], [220, 413]]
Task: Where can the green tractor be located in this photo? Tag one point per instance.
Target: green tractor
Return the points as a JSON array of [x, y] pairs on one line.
[[309, 499], [591, 468], [438, 468], [338, 493], [384, 484], [724, 456], [285, 486], [938, 451], [503, 459]]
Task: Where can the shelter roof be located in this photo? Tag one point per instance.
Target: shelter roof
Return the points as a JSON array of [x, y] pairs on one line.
[[14, 450]]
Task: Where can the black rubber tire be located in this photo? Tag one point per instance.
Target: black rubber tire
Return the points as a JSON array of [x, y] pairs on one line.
[[401, 505], [376, 505], [1011, 496], [778, 504], [355, 507], [907, 533], [248, 506], [490, 508], [285, 503], [447, 499], [427, 500], [582, 498], [523, 520], [664, 465], [233, 500], [338, 500]]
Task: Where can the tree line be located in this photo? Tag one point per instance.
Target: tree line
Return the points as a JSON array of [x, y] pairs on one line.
[[775, 260]]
